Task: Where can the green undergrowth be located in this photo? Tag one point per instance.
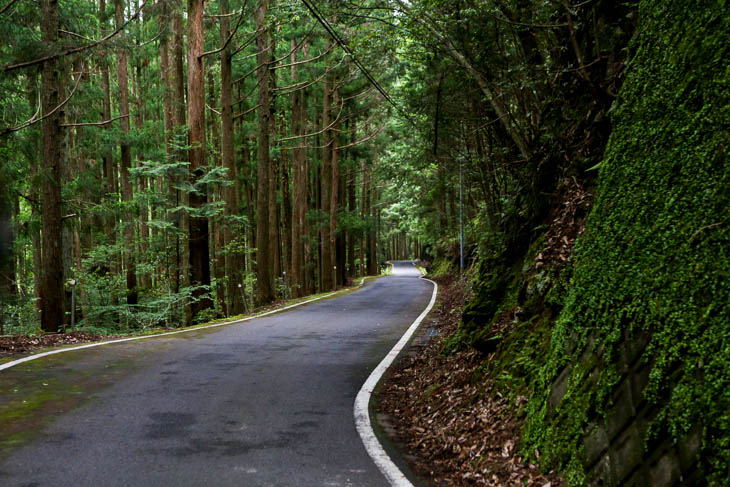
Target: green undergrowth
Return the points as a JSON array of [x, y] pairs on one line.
[[654, 260]]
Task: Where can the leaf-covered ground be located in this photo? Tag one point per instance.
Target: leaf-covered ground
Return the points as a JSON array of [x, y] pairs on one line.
[[456, 428], [21, 344]]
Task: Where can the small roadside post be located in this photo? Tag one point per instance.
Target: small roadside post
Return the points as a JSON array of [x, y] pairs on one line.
[[72, 282], [461, 220], [243, 298], [287, 294], [334, 277]]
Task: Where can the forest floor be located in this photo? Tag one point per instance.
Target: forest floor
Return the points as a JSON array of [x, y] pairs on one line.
[[455, 427], [11, 345]]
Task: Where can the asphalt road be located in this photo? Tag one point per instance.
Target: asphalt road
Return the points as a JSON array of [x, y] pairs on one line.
[[266, 402]]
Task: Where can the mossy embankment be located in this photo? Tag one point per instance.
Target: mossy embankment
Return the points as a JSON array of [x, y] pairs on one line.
[[647, 288]]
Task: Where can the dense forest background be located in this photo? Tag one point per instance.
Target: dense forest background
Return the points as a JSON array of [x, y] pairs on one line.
[[175, 159]]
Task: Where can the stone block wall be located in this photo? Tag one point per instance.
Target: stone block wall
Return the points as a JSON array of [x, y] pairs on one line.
[[616, 451]]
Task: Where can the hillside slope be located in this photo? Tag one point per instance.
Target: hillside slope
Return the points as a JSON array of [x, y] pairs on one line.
[[631, 384]]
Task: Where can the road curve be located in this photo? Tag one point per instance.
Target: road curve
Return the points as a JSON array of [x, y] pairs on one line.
[[262, 403]]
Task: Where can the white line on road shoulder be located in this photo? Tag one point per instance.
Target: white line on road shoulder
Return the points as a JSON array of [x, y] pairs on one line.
[[362, 403], [19, 361]]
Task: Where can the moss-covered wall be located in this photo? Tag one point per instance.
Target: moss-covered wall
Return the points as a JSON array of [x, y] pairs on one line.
[[654, 262]]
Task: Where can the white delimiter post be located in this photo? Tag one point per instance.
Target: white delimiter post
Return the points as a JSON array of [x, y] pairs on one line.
[[461, 221]]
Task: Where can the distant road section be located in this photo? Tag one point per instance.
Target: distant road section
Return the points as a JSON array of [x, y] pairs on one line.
[[267, 402]]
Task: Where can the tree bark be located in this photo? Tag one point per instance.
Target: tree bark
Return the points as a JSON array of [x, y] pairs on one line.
[[300, 183], [126, 164], [198, 241], [109, 168], [51, 288], [352, 209], [326, 190], [364, 213], [264, 289], [230, 193], [217, 245], [334, 196], [8, 286], [373, 268]]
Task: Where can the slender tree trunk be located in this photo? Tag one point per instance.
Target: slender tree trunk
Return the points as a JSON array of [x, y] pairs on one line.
[[230, 193], [8, 286], [198, 240], [364, 212], [274, 170], [273, 238], [181, 197], [351, 208], [334, 196], [173, 271], [216, 224], [144, 182], [126, 164], [109, 168], [373, 268], [264, 260], [51, 288], [327, 240], [300, 183]]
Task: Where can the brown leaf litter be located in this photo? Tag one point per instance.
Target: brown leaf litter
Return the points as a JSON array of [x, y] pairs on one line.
[[456, 428]]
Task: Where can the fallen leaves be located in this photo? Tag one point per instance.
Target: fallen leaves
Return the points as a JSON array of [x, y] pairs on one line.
[[457, 429], [566, 224], [21, 344]]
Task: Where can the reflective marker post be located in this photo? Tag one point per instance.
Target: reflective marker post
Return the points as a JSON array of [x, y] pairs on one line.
[[461, 221], [287, 294], [72, 282], [243, 298]]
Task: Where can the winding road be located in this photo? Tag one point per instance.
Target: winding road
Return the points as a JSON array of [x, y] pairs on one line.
[[266, 402]]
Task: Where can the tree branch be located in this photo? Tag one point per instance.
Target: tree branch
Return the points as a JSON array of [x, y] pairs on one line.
[[74, 50], [34, 120], [246, 112], [12, 2], [293, 137], [93, 124], [233, 32], [358, 142]]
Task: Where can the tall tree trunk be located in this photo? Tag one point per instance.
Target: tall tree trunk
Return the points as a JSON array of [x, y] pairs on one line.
[[173, 270], [8, 286], [230, 193], [109, 168], [217, 245], [373, 268], [300, 183], [264, 261], [198, 240], [144, 182], [181, 197], [274, 171], [327, 240], [51, 288], [334, 249], [126, 163], [351, 208], [286, 207], [364, 212]]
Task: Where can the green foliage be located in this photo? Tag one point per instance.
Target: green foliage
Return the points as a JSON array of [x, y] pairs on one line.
[[654, 257]]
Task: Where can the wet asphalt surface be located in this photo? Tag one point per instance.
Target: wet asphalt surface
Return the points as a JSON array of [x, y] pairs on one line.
[[262, 403]]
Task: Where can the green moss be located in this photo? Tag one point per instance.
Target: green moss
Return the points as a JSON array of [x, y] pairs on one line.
[[655, 256]]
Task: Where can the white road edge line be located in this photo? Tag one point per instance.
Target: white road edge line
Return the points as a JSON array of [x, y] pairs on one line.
[[19, 361], [362, 403]]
